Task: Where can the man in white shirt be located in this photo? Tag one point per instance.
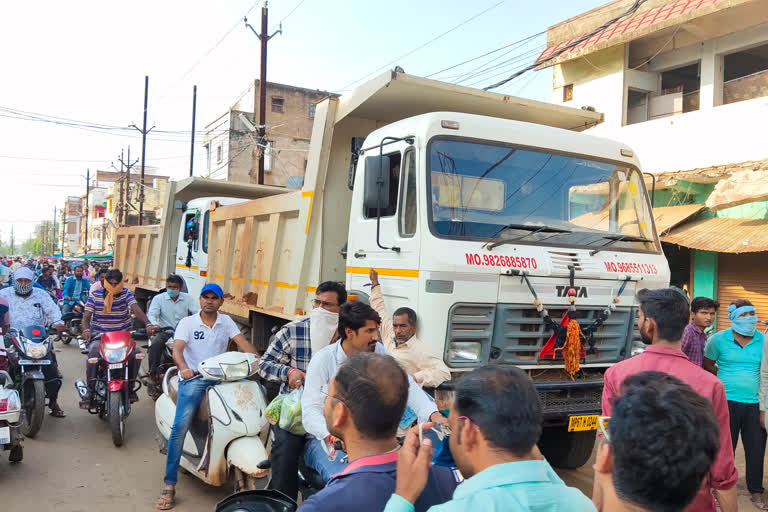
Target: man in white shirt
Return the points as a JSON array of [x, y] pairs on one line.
[[358, 332], [166, 310], [197, 338]]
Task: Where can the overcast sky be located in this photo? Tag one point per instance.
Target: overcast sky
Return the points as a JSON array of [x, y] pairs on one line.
[[86, 61]]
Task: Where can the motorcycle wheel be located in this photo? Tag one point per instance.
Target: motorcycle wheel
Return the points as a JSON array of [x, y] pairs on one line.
[[32, 418], [117, 417]]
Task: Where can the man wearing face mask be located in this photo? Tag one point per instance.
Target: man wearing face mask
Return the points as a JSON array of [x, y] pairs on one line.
[[166, 310], [286, 361], [33, 306], [738, 352]]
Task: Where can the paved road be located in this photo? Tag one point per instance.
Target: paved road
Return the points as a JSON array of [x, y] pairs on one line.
[[72, 465]]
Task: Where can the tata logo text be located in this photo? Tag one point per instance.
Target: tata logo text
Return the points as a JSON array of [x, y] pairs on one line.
[[562, 291]]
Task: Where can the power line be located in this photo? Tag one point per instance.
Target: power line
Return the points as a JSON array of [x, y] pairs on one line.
[[386, 66], [290, 12], [570, 45], [485, 54]]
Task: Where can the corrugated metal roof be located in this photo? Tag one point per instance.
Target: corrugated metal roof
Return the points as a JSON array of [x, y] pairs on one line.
[[722, 235], [645, 22], [667, 217]]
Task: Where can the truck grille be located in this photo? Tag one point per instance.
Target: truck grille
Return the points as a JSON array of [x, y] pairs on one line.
[[571, 400], [582, 264], [520, 334]]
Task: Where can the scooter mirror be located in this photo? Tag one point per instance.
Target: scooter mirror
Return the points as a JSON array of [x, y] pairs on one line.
[[257, 501]]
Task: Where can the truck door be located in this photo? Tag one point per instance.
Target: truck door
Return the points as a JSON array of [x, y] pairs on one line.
[[398, 269], [190, 254]]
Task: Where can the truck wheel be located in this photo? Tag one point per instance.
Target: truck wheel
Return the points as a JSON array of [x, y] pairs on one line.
[[566, 450]]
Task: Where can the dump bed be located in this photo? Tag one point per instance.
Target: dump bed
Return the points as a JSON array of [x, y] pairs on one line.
[[270, 254], [139, 255]]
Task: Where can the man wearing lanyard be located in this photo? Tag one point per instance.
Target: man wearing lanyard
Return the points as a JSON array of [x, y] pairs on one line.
[[197, 338], [365, 401]]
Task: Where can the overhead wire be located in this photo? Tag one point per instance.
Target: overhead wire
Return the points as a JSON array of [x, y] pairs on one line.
[[439, 36], [570, 45]]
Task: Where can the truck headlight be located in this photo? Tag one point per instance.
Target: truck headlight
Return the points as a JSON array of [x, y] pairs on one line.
[[465, 351]]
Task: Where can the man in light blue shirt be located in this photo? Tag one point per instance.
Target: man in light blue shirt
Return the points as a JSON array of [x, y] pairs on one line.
[[166, 310], [496, 421], [738, 352]]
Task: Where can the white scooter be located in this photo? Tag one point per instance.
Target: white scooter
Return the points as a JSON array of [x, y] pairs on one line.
[[230, 429], [10, 418]]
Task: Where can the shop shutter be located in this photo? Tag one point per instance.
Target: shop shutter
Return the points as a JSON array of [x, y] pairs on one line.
[[742, 276]]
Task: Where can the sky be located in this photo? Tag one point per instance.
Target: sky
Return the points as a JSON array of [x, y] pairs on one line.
[[86, 61]]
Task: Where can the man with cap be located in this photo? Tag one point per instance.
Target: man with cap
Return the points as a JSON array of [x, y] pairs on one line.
[[197, 337], [32, 306]]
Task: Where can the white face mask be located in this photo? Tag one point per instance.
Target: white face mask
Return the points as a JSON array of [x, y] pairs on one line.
[[322, 326]]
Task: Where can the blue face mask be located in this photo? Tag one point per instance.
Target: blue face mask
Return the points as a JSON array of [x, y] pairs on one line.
[[745, 325], [173, 293]]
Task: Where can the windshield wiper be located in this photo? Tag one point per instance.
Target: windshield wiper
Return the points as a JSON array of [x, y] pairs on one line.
[[619, 238], [526, 227]]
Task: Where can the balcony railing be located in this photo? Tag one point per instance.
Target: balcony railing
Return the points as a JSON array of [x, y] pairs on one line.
[[746, 88]]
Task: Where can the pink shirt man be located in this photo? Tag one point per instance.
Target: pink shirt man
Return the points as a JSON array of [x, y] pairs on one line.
[[722, 474]]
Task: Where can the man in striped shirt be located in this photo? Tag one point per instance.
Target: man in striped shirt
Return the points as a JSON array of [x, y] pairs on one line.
[[109, 310]]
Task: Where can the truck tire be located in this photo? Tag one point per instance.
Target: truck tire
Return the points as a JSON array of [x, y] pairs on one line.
[[566, 450]]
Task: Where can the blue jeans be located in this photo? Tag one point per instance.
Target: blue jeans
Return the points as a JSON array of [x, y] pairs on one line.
[[316, 458], [67, 308], [191, 393]]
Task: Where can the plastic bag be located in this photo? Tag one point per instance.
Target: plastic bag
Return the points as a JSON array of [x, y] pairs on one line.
[[290, 413], [273, 409]]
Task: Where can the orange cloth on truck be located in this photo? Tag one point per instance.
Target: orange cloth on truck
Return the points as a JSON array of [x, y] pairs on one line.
[[425, 368]]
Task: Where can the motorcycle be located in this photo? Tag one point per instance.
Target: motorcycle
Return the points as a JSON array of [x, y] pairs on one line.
[[113, 386], [267, 500], [72, 322], [10, 417], [230, 430], [154, 380], [28, 351]]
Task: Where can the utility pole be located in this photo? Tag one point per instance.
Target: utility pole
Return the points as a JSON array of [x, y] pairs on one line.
[[53, 232], [120, 202], [192, 148], [144, 133], [87, 192], [13, 241], [128, 166], [264, 37], [63, 226]]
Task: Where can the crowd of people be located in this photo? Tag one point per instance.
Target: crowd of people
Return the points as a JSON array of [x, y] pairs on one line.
[[671, 416]]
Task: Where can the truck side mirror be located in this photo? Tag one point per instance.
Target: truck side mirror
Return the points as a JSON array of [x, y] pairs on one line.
[[377, 178]]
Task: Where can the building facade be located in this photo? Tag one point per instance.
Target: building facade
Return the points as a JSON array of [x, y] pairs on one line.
[[685, 84], [232, 145]]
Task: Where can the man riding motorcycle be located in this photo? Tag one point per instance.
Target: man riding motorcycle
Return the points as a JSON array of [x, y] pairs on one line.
[[48, 281], [109, 310], [76, 289], [33, 306], [166, 310]]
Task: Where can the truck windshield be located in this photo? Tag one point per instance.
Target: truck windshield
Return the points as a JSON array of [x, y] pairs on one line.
[[494, 192]]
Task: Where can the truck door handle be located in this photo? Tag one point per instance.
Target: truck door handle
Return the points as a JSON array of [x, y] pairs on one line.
[[360, 253]]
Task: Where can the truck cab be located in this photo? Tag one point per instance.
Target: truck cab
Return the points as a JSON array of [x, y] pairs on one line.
[[465, 217]]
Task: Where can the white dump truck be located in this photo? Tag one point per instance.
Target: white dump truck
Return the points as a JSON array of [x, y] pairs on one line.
[[491, 216]]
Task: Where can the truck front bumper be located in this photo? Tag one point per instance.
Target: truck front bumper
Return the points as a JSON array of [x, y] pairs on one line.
[[561, 400]]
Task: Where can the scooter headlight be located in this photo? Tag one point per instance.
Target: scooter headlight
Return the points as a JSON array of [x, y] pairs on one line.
[[236, 371], [116, 355], [214, 372], [36, 351]]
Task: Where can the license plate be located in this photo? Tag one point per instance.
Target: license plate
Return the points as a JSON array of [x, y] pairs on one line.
[[582, 423], [5, 435], [38, 361], [116, 366]]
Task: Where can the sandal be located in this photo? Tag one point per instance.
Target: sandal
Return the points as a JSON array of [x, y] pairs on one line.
[[164, 503], [57, 412]]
